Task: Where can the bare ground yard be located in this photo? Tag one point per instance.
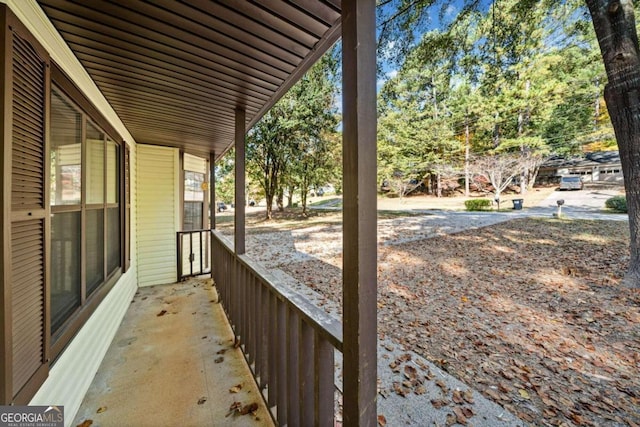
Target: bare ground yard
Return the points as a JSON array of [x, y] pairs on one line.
[[529, 312]]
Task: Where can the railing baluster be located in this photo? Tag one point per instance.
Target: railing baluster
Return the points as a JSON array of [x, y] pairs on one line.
[[293, 405], [273, 328], [307, 371], [324, 383], [241, 306], [259, 336], [281, 344], [250, 346], [264, 332]]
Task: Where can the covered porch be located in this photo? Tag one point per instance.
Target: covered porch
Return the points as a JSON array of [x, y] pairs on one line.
[[163, 80], [174, 362]]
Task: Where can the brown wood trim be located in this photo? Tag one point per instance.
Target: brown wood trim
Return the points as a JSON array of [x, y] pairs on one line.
[[24, 396], [125, 203], [71, 327], [66, 85], [181, 188], [47, 220], [11, 25], [27, 215], [5, 220], [240, 177], [212, 191]]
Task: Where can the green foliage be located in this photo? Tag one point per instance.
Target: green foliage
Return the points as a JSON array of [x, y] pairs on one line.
[[477, 204], [617, 204], [225, 180], [292, 145], [516, 77]]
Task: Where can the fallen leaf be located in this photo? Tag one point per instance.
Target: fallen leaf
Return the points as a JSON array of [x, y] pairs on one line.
[[219, 360], [101, 409], [439, 403], [162, 313], [234, 408], [457, 397], [460, 418], [524, 394], [468, 412], [202, 400], [235, 388], [85, 423], [382, 421], [443, 386], [400, 390], [451, 420], [410, 372], [247, 409]]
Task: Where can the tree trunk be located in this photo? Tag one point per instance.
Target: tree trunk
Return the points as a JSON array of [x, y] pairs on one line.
[[614, 24], [280, 200], [269, 206], [290, 197], [467, 144]]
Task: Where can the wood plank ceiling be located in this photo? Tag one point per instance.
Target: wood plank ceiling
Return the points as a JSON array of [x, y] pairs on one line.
[[176, 70]]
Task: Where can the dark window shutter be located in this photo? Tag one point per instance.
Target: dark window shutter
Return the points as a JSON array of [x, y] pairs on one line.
[[27, 300], [28, 289], [27, 181]]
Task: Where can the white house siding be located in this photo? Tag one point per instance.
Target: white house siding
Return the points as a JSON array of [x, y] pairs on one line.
[[158, 219], [195, 164], [72, 373]]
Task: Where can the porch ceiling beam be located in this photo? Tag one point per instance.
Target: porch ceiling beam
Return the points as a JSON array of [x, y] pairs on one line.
[[359, 212]]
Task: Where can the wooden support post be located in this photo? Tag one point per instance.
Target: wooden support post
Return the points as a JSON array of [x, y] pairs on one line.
[[360, 212], [239, 211], [213, 204]]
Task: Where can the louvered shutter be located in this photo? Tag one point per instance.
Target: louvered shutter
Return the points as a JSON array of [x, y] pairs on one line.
[[28, 225]]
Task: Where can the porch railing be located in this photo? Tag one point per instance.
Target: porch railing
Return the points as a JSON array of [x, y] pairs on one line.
[[193, 249], [288, 342]]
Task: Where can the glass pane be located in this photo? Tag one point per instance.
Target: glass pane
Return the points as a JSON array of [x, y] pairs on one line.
[[113, 239], [193, 186], [65, 266], [95, 165], [112, 172], [65, 152], [95, 248], [192, 216]]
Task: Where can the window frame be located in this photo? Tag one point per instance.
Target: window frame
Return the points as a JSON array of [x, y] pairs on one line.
[[90, 301]]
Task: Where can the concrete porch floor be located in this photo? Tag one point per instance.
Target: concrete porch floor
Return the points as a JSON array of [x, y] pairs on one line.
[[173, 363]]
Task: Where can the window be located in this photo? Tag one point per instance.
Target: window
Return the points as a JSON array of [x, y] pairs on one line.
[[66, 227], [86, 237], [193, 200]]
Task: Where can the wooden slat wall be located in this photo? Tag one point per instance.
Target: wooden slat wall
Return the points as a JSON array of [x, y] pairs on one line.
[[28, 213]]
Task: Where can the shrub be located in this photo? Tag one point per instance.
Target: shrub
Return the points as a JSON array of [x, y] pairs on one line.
[[617, 204], [478, 204]]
